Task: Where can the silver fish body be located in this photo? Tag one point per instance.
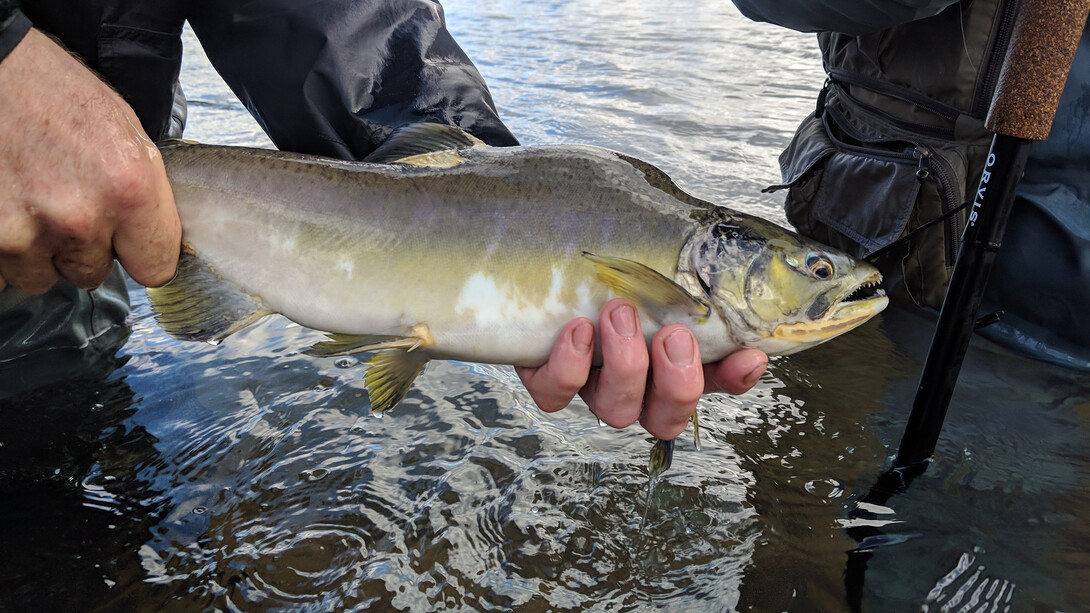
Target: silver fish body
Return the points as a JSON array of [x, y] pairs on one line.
[[487, 254], [449, 249]]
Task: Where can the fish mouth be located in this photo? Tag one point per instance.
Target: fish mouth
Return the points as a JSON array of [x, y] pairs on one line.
[[856, 305]]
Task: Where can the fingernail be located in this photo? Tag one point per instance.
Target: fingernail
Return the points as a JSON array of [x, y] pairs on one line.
[[582, 336], [624, 321], [754, 375], [679, 348]]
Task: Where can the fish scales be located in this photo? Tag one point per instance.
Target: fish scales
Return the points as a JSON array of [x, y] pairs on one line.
[[449, 248], [492, 246]]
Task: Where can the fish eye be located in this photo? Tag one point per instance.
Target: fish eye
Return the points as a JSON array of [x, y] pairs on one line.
[[819, 266]]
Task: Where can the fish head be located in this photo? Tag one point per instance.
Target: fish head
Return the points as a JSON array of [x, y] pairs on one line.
[[780, 292]]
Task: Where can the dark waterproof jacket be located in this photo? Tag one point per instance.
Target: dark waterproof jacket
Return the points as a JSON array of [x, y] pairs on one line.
[[329, 77]]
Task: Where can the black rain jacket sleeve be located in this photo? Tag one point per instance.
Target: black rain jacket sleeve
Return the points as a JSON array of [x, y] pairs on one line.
[[330, 77], [336, 76], [13, 27], [853, 17]]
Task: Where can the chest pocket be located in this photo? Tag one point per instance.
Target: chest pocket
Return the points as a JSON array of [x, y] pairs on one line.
[[862, 190]]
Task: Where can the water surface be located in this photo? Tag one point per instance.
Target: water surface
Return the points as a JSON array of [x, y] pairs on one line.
[[247, 476]]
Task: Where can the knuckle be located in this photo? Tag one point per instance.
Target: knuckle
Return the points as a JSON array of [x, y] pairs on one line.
[[83, 271], [79, 222], [687, 397], [132, 180], [14, 243], [130, 184], [628, 364], [34, 284]]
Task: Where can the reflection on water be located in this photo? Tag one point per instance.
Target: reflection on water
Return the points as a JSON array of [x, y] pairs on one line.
[[248, 476]]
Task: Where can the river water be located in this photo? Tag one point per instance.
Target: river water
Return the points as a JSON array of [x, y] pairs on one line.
[[250, 477]]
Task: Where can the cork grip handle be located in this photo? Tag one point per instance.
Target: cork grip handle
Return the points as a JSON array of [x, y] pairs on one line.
[[1043, 43]]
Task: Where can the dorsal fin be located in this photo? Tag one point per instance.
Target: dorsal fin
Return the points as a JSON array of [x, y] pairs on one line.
[[419, 139], [171, 143]]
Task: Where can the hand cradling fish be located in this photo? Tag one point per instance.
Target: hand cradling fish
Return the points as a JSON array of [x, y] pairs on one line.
[[440, 247]]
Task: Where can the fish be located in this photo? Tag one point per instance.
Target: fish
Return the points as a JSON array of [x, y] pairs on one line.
[[440, 247]]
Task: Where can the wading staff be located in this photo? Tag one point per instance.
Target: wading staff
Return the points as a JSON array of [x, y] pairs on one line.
[[1043, 42]]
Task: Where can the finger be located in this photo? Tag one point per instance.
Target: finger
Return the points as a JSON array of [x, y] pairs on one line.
[[147, 241], [616, 394], [17, 247], [32, 271], [677, 382], [17, 230], [554, 384], [736, 373], [85, 266]]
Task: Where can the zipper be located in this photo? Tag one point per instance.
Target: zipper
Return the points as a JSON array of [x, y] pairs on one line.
[[838, 118], [907, 126], [938, 109], [927, 164], [983, 99]]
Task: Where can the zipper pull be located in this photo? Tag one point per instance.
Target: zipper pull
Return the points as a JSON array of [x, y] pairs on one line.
[[923, 167]]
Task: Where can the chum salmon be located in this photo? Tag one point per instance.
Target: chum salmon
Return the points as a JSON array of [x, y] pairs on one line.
[[440, 247]]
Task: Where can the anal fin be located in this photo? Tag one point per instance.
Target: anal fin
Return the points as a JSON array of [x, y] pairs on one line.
[[662, 456]]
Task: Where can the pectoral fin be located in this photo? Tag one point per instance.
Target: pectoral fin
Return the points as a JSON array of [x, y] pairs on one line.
[[658, 297], [198, 305], [390, 375]]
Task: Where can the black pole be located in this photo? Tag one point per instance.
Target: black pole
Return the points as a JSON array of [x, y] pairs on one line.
[[1043, 42], [980, 243]]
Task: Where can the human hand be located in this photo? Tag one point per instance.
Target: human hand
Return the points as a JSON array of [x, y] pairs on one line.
[[624, 390], [81, 181]]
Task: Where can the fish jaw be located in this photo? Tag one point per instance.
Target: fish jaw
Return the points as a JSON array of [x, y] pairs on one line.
[[843, 317]]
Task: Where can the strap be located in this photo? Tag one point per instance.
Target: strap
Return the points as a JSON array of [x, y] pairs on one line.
[[908, 237]]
